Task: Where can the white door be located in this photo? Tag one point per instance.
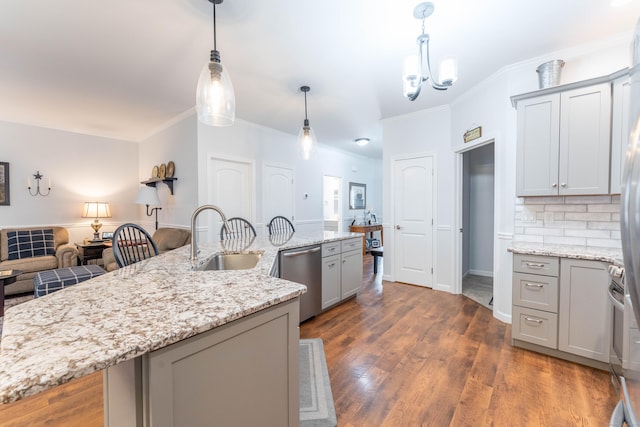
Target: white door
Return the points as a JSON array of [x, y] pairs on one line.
[[413, 213], [278, 192], [231, 189]]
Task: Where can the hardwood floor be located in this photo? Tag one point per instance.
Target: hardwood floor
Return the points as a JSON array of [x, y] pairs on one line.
[[402, 355]]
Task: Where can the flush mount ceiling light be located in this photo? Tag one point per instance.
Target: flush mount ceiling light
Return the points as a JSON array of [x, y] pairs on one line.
[[306, 136], [362, 141], [215, 100], [413, 75]]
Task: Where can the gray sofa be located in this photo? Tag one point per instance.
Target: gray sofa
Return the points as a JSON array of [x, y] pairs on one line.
[[59, 254]]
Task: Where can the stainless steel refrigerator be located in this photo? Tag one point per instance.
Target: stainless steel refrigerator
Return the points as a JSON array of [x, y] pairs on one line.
[[630, 229]]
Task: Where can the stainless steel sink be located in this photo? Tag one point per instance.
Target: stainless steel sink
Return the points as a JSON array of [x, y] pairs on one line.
[[231, 262]]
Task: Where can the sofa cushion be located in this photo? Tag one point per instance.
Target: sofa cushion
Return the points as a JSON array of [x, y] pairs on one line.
[[46, 282], [30, 243]]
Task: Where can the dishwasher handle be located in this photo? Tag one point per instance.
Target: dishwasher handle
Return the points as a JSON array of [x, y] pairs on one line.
[[305, 252]]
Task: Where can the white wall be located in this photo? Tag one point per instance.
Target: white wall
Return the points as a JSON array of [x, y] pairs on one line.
[[81, 167], [426, 132], [266, 146], [178, 143], [487, 105]]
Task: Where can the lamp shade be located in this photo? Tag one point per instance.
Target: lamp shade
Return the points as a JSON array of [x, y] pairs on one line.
[[96, 210], [147, 196], [215, 99], [306, 141]]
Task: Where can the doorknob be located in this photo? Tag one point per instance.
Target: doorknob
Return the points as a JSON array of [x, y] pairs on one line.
[[398, 227]]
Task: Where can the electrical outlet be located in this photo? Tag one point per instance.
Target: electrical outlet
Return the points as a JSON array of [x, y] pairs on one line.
[[528, 216]]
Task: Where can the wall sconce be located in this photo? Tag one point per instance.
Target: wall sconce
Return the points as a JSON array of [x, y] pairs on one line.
[[38, 177], [96, 210], [149, 196]]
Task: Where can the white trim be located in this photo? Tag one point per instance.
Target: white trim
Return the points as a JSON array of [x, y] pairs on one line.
[[480, 273], [505, 236]]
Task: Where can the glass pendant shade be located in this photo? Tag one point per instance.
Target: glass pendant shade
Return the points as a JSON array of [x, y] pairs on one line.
[[306, 140], [411, 75], [215, 99], [448, 71]]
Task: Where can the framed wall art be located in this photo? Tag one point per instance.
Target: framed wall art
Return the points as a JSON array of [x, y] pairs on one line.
[[4, 184], [357, 195]]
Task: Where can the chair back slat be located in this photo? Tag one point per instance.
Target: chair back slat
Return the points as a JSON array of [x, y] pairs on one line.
[[240, 228], [280, 224], [132, 243]]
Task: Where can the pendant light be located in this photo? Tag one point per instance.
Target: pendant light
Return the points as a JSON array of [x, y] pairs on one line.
[[215, 100], [306, 136], [413, 75]]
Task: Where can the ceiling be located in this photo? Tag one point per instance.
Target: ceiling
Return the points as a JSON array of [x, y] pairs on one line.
[[123, 68]]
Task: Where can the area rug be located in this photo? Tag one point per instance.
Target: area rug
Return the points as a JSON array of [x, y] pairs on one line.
[[316, 400], [10, 302]]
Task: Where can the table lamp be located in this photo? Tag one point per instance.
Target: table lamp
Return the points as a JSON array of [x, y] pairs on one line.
[[96, 210], [149, 196]]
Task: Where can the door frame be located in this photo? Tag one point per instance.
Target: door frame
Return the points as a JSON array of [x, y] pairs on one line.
[[434, 211], [458, 246]]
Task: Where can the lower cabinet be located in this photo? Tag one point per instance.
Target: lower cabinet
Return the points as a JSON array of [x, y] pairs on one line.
[[341, 270], [584, 324], [562, 304]]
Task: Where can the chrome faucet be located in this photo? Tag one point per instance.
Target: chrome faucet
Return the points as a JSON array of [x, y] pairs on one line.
[[194, 217]]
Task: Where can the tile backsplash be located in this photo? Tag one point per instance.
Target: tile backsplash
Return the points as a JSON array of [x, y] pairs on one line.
[[569, 220]]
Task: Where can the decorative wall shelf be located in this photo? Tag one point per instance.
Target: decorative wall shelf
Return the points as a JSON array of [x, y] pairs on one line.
[[151, 182]]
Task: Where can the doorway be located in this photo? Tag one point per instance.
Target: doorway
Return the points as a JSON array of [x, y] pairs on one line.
[[332, 203], [478, 183]]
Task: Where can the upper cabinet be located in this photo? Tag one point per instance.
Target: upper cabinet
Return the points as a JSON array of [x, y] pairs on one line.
[[563, 142], [571, 138], [619, 130]]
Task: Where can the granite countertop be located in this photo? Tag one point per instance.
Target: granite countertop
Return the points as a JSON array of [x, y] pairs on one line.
[[591, 253], [137, 309]]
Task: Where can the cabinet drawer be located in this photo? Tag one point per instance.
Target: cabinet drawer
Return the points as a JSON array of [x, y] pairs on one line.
[[536, 264], [329, 249], [535, 326], [535, 291], [351, 244]]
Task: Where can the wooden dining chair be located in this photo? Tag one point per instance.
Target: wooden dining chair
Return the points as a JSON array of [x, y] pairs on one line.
[[131, 244], [240, 228], [280, 224]]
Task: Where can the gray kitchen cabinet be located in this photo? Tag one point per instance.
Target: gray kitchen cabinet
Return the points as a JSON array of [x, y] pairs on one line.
[[341, 270], [215, 376], [331, 289], [351, 268], [535, 300], [560, 305], [584, 326], [619, 130], [563, 142]]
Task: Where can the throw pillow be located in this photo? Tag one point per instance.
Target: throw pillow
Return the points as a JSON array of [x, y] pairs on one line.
[[30, 243]]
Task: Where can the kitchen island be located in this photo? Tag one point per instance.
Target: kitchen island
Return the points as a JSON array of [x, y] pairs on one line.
[[120, 321]]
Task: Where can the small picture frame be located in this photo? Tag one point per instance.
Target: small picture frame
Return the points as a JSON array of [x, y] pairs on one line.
[[357, 195], [4, 184], [107, 235]]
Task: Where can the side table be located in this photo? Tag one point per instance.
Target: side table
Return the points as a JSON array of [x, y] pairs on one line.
[[7, 277], [91, 250], [367, 229]]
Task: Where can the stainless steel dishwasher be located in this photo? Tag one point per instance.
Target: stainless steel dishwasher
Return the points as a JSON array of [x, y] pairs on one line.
[[304, 265]]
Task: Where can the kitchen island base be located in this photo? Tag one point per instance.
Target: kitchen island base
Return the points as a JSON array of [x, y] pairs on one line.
[[242, 373]]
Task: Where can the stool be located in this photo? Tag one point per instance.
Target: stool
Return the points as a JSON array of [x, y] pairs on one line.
[[45, 282], [376, 252]]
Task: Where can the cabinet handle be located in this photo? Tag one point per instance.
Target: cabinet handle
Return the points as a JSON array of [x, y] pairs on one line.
[[331, 249], [344, 260], [564, 184], [398, 227], [531, 319], [554, 185], [533, 285], [332, 264], [534, 265]]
